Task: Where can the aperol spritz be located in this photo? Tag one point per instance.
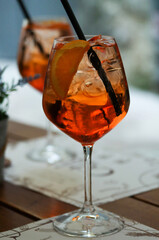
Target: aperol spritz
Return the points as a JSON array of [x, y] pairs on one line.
[[86, 95], [35, 44]]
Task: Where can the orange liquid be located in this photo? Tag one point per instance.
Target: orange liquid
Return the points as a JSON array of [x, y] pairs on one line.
[[30, 60], [85, 123], [35, 65]]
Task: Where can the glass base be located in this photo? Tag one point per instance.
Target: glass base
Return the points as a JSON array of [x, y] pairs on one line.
[[46, 154], [88, 225]]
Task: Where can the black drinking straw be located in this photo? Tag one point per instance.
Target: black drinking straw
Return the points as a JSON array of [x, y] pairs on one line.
[[32, 33], [24, 10], [93, 58]]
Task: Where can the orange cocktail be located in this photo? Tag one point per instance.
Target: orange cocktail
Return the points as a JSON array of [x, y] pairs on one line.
[[86, 113], [35, 45], [86, 95]]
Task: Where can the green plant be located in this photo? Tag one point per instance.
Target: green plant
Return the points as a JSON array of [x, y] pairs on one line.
[[6, 89]]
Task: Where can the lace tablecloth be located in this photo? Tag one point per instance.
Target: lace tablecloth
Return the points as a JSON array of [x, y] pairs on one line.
[[117, 172]]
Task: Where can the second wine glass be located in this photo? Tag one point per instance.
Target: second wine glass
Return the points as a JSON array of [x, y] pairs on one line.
[[35, 44]]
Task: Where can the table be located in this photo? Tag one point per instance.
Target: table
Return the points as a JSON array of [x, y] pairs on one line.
[[19, 206]]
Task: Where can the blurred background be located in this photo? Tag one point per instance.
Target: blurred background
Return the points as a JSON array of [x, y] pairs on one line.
[[135, 25]]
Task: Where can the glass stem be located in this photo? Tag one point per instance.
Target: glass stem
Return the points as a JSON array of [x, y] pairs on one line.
[[48, 133], [88, 205]]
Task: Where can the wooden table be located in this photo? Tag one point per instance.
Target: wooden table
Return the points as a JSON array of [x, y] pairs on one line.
[[19, 206]]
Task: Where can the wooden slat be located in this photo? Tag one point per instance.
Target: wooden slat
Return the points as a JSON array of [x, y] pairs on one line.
[[31, 202], [21, 131], [41, 206], [136, 210], [10, 219], [151, 197]]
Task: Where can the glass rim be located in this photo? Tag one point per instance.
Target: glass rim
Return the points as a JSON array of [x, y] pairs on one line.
[[66, 39], [41, 18]]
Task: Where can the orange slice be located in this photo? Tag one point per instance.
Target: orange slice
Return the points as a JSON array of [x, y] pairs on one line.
[[65, 64]]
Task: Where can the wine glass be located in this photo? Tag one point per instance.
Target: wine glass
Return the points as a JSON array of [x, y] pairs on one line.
[[35, 44], [86, 104]]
